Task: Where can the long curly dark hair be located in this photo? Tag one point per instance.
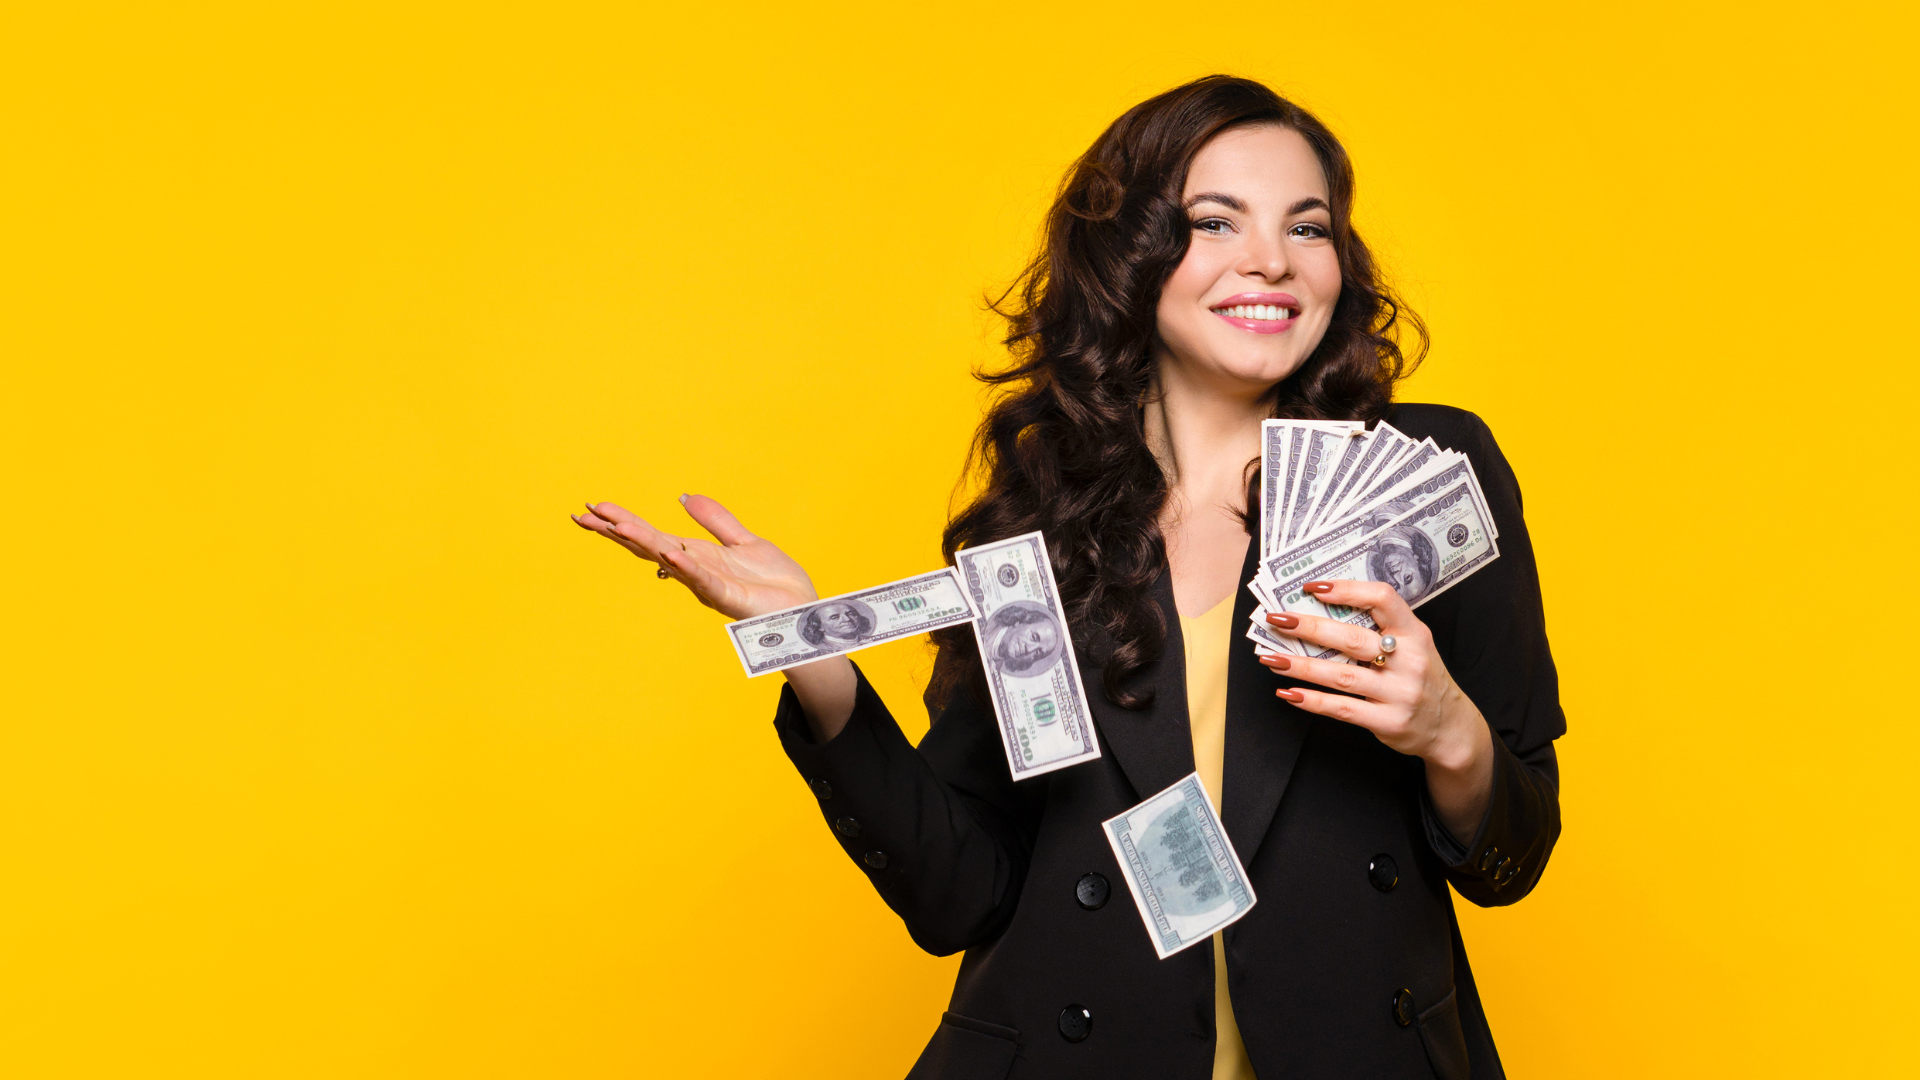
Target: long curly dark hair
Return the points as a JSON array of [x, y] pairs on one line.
[[1064, 448]]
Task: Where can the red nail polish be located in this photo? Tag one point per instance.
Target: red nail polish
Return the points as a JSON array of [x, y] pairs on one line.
[[1284, 622], [1319, 587], [1294, 696], [1277, 663]]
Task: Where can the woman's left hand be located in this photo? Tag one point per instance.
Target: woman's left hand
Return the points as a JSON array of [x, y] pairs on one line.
[[1409, 702]]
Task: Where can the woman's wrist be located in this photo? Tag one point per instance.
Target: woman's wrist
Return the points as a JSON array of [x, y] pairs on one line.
[[1463, 744], [826, 690], [1459, 767]]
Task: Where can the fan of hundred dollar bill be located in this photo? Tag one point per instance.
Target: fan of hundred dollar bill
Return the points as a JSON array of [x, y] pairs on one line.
[[1339, 502]]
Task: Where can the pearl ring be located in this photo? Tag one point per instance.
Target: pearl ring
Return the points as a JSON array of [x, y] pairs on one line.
[[1387, 645]]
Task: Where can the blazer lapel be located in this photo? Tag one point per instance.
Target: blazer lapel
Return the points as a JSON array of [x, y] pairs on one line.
[[1154, 745], [1264, 734]]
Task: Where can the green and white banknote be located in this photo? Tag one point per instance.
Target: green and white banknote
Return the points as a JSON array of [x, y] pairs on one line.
[[1027, 651], [849, 623], [1180, 866]]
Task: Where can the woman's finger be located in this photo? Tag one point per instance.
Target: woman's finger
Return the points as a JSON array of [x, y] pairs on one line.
[[628, 531], [1390, 613], [1356, 641], [1352, 710], [716, 519], [1347, 678]]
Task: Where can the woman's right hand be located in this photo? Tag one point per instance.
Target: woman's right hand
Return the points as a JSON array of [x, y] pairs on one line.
[[740, 576]]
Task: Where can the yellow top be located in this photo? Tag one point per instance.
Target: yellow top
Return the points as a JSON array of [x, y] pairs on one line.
[[1208, 638]]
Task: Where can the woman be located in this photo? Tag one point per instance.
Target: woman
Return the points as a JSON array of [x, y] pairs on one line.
[[1200, 273]]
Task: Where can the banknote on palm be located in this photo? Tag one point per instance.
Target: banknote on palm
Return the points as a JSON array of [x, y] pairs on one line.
[[849, 623], [1180, 866]]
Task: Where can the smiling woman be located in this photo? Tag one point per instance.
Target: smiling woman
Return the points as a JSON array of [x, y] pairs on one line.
[[1201, 274]]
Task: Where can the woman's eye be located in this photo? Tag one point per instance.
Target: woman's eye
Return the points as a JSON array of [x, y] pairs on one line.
[[1213, 225], [1310, 230]]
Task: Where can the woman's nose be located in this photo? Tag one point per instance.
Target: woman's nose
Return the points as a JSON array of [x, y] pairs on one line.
[[1266, 257]]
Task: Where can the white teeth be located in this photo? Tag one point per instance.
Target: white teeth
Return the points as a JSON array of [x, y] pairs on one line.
[[1262, 312]]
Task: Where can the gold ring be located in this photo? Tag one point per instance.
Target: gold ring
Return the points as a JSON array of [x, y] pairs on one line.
[[1380, 661]]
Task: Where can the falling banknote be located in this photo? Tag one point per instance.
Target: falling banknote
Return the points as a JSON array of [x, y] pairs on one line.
[[1028, 655], [844, 624], [1180, 866]]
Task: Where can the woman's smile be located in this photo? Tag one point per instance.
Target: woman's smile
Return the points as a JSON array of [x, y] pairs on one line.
[[1259, 313]]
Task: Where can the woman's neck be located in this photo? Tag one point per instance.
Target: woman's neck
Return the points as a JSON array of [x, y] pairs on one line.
[[1203, 439]]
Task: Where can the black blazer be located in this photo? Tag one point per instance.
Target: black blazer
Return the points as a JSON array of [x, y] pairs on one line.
[[1350, 963]]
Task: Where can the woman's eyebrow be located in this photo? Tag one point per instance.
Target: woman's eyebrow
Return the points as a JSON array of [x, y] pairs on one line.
[[1311, 202], [1227, 201]]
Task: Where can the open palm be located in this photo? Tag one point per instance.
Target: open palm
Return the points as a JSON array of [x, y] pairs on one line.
[[740, 576]]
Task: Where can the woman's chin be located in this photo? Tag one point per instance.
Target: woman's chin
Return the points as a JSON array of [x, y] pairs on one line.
[[1262, 373]]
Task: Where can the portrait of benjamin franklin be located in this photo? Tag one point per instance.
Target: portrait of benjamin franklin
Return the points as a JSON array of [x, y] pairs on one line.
[[1404, 558], [836, 623], [1022, 638]]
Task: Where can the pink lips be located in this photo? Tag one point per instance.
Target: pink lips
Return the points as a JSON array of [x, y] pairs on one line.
[[1260, 326]]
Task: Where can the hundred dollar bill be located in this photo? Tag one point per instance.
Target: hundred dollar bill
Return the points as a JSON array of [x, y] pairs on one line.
[[1329, 544], [1421, 553], [1357, 459], [1028, 655], [1392, 447], [1281, 444], [1320, 453], [1180, 866], [844, 624]]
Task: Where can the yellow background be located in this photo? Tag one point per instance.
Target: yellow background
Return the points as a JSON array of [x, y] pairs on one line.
[[331, 748]]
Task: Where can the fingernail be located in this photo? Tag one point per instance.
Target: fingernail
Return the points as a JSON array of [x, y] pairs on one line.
[[1277, 663], [1294, 696], [683, 500], [1319, 587], [1284, 622]]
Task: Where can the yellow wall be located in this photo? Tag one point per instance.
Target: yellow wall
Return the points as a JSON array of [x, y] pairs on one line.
[[331, 748]]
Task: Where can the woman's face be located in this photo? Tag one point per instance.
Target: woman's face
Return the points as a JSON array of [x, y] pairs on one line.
[[1254, 295]]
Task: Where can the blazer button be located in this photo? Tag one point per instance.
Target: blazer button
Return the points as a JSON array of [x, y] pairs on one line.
[[847, 826], [1383, 872], [1488, 858], [821, 789], [875, 859], [1076, 1023], [1403, 1008], [1504, 872], [1092, 891]]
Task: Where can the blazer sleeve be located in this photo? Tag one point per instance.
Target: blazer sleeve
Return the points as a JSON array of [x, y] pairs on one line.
[[939, 830], [1494, 639]]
